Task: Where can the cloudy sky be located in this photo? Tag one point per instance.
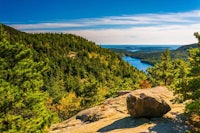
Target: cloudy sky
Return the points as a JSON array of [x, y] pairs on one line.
[[108, 21]]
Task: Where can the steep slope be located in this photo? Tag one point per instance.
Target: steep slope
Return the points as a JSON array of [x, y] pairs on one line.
[[76, 70], [113, 117]]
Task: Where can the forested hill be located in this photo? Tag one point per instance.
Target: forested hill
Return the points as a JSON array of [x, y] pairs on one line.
[[55, 73], [153, 56], [186, 47]]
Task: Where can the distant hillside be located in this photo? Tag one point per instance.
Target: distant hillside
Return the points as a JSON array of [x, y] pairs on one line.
[[186, 47], [153, 56], [12, 31], [76, 65]]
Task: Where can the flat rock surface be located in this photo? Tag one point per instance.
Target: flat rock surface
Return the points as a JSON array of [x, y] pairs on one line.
[[111, 116]]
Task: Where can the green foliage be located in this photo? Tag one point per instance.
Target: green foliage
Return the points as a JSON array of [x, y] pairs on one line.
[[161, 73], [68, 105], [173, 73], [22, 103], [183, 76], [193, 87], [65, 64], [152, 56], [180, 71], [196, 34], [193, 107]]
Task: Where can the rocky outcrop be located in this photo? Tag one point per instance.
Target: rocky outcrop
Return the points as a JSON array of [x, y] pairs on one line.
[[123, 92], [89, 115], [146, 106], [111, 116]]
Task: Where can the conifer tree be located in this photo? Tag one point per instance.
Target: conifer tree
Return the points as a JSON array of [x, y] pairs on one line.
[[22, 103], [180, 71], [193, 88], [161, 73], [92, 73]]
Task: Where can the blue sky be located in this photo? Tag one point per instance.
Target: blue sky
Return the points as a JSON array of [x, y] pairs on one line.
[[108, 21]]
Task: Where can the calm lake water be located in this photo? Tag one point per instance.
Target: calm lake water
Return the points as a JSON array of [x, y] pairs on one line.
[[134, 48], [136, 63]]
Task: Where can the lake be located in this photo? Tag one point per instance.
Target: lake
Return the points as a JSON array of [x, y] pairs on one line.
[[136, 63], [134, 48]]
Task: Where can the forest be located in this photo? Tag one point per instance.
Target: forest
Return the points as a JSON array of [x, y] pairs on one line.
[[183, 77], [46, 78]]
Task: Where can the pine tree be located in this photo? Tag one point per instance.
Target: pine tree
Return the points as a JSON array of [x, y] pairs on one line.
[[22, 103], [180, 71], [161, 73], [193, 88]]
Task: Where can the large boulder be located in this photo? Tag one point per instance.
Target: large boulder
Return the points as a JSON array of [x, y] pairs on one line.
[[146, 106]]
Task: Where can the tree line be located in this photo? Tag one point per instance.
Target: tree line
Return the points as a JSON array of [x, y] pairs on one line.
[[48, 77], [180, 75]]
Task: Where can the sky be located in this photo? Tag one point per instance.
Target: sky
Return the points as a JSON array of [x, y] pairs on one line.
[[108, 21]]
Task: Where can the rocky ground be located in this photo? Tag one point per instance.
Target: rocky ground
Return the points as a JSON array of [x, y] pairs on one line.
[[112, 116]]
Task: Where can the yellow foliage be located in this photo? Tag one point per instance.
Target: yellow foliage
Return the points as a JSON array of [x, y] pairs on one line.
[[101, 93], [68, 105], [93, 55], [50, 105], [103, 60]]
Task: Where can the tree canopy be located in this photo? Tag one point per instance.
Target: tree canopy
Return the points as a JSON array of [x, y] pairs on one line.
[[22, 103], [182, 76], [47, 76]]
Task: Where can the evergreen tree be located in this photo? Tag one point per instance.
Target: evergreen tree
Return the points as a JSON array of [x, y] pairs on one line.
[[180, 71], [193, 87], [75, 65], [161, 73], [22, 103]]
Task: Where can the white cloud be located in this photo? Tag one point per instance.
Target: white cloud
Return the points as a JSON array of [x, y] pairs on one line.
[[45, 25], [168, 28], [142, 35]]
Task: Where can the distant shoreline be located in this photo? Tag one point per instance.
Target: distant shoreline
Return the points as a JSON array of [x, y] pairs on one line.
[[146, 62], [137, 51]]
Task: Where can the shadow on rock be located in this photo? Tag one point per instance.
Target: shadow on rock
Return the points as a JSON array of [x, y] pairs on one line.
[[127, 122], [162, 125], [165, 125]]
